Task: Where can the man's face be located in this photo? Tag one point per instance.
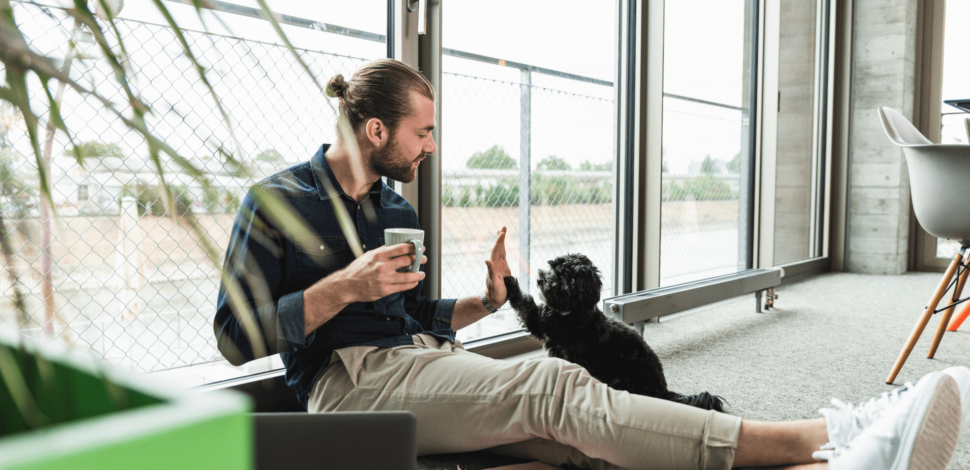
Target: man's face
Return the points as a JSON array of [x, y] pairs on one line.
[[409, 144]]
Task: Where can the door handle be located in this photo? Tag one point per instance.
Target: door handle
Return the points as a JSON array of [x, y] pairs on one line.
[[422, 7]]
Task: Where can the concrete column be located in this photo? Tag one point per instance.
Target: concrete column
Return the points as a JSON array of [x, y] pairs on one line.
[[883, 74]]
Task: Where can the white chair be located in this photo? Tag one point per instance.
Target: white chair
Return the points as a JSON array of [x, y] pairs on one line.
[[939, 176]]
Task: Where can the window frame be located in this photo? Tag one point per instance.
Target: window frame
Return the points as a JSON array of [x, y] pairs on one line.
[[824, 124], [928, 119]]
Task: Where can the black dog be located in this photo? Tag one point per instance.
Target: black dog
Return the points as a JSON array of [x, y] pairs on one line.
[[573, 328]]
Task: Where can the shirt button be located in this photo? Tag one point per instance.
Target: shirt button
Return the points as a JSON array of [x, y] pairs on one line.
[[363, 245], [322, 248]]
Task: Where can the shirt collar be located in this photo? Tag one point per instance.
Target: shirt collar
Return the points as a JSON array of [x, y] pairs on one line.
[[321, 169]]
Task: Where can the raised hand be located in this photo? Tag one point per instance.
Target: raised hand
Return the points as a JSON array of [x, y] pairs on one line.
[[498, 269]]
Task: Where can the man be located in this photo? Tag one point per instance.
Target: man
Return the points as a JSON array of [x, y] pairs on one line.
[[356, 335]]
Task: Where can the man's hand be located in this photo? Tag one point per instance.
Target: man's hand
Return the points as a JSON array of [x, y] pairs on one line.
[[371, 277], [498, 268], [374, 275]]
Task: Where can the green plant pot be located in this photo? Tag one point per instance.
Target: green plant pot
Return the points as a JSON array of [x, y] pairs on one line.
[[98, 417]]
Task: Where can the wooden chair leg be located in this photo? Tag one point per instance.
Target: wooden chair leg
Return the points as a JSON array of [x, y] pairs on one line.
[[945, 320], [924, 319]]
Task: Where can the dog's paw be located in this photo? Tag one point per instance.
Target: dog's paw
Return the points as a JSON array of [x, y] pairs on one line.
[[513, 289]]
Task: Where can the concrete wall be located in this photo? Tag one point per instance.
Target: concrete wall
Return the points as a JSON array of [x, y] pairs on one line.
[[883, 74]]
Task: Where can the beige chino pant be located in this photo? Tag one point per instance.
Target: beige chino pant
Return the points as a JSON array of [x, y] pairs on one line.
[[545, 409]]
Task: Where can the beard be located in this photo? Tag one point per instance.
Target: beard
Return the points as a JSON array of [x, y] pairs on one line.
[[390, 162]]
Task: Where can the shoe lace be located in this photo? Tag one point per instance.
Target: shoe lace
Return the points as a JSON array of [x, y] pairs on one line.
[[871, 410], [855, 418]]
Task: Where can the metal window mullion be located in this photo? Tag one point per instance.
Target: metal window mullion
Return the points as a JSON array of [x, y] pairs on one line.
[[748, 182], [769, 135], [650, 132], [525, 174], [816, 177], [391, 18], [757, 133], [928, 113], [623, 196], [640, 113], [405, 45], [841, 114], [825, 133], [429, 174], [829, 110]]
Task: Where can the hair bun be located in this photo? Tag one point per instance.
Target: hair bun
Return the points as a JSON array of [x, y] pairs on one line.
[[336, 86]]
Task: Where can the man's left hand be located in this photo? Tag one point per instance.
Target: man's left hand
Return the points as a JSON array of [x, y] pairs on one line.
[[498, 268]]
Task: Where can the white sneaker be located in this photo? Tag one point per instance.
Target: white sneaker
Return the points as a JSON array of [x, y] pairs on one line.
[[919, 432], [847, 421]]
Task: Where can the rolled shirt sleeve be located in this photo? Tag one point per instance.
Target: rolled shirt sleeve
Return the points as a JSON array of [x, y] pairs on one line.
[[291, 324], [430, 314]]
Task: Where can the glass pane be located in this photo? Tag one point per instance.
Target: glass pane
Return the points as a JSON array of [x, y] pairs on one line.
[[796, 176], [704, 138], [947, 248], [120, 279], [956, 69], [506, 123]]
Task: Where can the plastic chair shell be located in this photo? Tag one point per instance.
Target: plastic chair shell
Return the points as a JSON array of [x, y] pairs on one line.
[[939, 178]]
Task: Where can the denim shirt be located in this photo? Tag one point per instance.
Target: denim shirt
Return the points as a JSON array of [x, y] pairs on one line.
[[257, 248]]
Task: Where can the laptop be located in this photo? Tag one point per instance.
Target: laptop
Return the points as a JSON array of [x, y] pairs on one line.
[[358, 441], [962, 105]]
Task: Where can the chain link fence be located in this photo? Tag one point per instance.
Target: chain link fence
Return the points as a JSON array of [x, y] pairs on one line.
[[498, 137], [566, 139], [701, 181], [130, 284]]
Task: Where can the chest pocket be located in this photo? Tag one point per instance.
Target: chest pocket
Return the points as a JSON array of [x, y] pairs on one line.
[[327, 252]]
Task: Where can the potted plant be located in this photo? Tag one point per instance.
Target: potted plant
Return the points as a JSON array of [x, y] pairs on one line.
[[61, 411]]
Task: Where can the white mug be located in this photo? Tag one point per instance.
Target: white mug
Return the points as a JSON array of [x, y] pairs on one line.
[[395, 236]]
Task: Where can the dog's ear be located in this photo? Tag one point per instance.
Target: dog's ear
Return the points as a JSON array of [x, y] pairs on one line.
[[587, 285]]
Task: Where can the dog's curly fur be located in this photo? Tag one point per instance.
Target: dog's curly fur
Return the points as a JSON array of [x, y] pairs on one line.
[[573, 328]]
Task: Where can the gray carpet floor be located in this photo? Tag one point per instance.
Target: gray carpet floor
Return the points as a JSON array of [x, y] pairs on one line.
[[834, 335]]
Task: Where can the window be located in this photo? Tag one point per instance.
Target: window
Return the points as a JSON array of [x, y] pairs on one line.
[[799, 169], [527, 141], [529, 136], [706, 140], [123, 281]]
